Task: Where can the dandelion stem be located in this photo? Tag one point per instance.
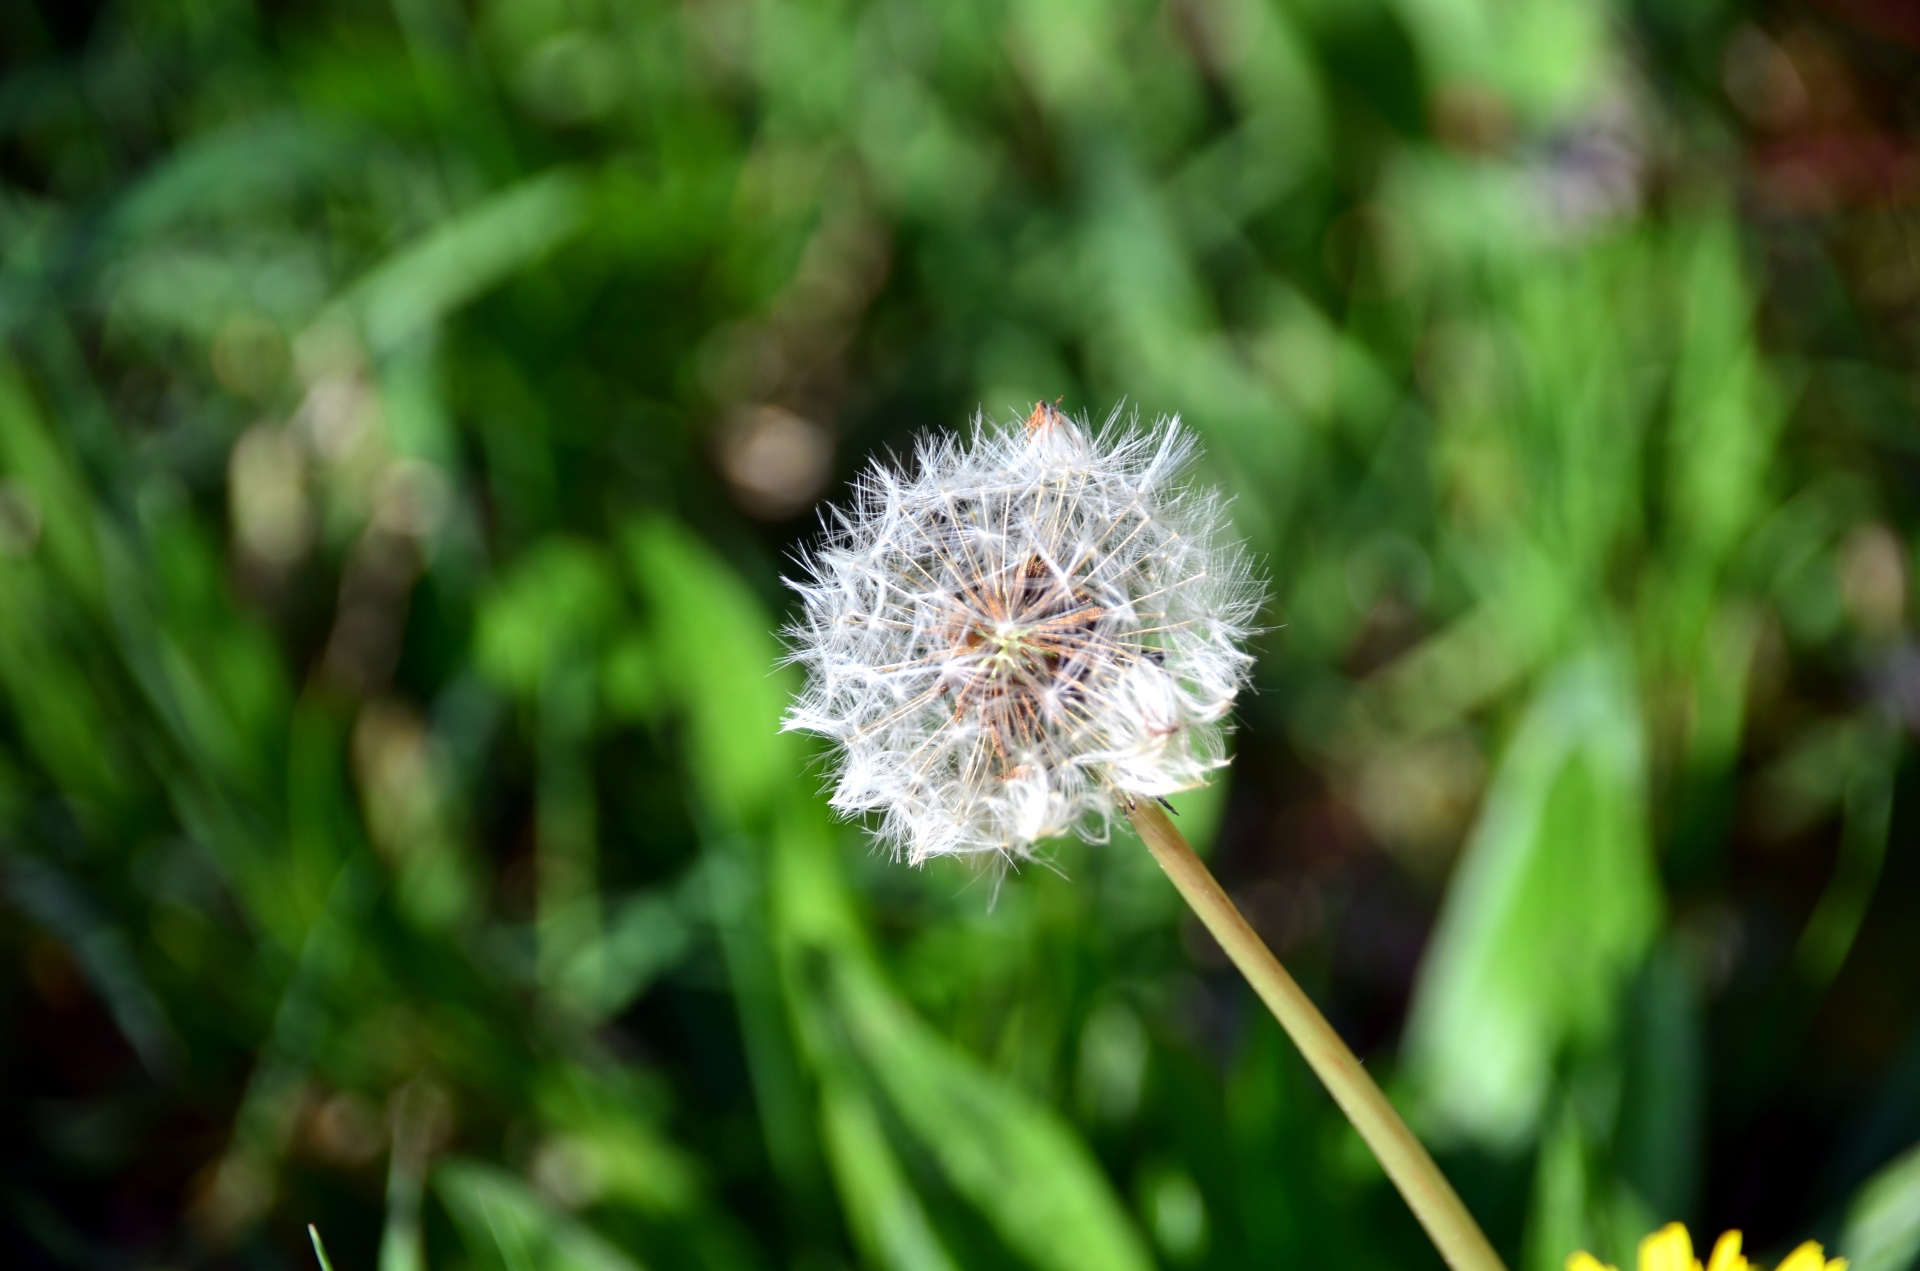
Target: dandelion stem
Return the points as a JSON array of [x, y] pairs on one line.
[[1433, 1200]]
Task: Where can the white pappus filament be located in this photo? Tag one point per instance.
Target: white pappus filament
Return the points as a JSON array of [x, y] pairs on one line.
[[1032, 625]]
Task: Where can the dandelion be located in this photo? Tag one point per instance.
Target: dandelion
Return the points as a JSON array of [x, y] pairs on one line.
[[1027, 631], [1037, 629], [1671, 1249]]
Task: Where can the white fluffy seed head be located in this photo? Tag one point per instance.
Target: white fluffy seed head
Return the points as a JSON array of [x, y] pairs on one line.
[[1032, 625]]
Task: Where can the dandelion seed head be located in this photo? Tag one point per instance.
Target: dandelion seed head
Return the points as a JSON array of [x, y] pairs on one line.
[[1029, 626]]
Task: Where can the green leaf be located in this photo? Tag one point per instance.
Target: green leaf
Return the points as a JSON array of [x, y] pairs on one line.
[[603, 1122], [1868, 806], [887, 1219], [1883, 1222], [551, 607], [465, 255], [33, 454], [1551, 909], [1725, 411], [504, 1224], [1559, 1219], [715, 659], [714, 645], [247, 168], [1024, 1169]]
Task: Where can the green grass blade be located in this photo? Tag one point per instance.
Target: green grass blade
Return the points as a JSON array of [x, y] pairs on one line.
[[319, 1248]]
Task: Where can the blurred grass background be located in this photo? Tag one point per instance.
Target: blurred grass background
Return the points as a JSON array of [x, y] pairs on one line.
[[406, 412]]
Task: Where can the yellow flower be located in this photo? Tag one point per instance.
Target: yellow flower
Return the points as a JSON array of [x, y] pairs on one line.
[[1670, 1249]]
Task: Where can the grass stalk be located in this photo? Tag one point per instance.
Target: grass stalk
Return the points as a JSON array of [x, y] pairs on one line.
[[1427, 1192], [319, 1248]]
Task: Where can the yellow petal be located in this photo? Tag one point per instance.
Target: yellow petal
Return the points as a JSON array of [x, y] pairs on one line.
[[1584, 1261], [1726, 1254], [1808, 1257], [1669, 1249]]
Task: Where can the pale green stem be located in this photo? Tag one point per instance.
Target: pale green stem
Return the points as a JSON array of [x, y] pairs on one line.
[[319, 1249], [1432, 1199]]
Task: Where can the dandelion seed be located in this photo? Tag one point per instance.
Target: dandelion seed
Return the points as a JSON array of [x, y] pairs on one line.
[[1027, 630]]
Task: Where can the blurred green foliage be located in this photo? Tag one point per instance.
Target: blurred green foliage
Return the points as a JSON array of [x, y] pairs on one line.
[[405, 413]]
